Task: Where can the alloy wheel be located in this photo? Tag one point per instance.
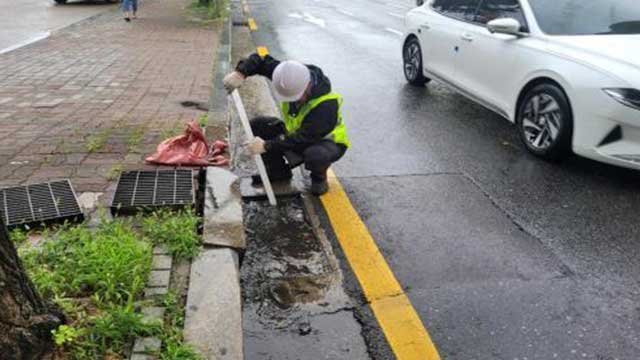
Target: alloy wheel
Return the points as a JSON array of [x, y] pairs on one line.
[[542, 121], [412, 60]]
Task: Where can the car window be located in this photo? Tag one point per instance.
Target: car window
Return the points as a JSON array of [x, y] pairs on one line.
[[458, 9], [582, 17], [495, 9]]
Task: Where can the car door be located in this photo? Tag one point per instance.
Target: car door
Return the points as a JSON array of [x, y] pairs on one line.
[[487, 62], [439, 35]]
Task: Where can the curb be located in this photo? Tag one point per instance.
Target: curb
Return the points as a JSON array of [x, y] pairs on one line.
[[213, 313]]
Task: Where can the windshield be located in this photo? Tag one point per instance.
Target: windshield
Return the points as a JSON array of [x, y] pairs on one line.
[[587, 17]]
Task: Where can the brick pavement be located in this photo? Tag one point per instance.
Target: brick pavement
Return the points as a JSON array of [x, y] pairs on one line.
[[98, 96]]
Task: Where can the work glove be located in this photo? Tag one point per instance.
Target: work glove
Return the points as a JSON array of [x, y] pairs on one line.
[[256, 146], [233, 81]]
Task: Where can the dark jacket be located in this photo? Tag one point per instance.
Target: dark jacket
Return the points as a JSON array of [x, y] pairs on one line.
[[317, 124]]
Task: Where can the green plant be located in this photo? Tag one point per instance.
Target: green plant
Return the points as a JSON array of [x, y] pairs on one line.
[[97, 141], [203, 120], [135, 136], [171, 131], [176, 230], [172, 335], [18, 236], [115, 172], [64, 335]]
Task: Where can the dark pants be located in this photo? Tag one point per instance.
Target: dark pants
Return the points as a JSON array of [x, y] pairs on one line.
[[316, 158]]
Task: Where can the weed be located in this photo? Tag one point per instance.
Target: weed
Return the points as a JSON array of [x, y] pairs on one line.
[[97, 141], [177, 231], [65, 335], [203, 120], [18, 236], [115, 172], [212, 9], [172, 131], [134, 138], [173, 338]]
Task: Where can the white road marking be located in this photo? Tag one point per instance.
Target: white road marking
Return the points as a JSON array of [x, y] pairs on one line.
[[36, 38], [394, 31], [314, 20], [309, 18], [396, 15]]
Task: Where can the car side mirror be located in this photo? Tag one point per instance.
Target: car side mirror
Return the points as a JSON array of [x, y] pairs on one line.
[[509, 26], [419, 2]]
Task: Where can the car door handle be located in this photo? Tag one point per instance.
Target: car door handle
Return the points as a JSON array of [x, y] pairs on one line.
[[467, 37]]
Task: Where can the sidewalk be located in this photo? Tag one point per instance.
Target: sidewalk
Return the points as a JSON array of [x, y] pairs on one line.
[[97, 97]]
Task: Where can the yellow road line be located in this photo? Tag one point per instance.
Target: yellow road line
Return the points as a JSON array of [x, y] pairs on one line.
[[252, 24], [263, 51], [399, 321]]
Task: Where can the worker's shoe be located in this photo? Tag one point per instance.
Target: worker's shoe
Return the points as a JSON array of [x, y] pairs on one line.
[[256, 180], [319, 187]]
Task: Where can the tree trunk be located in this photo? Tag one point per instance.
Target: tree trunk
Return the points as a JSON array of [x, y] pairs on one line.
[[25, 321]]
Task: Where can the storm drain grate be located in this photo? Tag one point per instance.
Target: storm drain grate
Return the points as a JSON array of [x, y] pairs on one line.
[[39, 203], [150, 189]]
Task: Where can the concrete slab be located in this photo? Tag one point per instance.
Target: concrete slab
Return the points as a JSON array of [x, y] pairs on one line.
[[162, 262], [213, 319], [159, 278], [223, 224]]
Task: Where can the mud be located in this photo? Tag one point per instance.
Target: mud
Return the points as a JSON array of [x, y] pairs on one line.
[[294, 304]]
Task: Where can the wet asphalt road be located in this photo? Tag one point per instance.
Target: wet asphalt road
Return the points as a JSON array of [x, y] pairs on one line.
[[26, 20], [504, 256]]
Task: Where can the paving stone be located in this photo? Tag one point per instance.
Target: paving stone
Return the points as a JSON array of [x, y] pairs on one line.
[[153, 314], [151, 292], [162, 262], [213, 319], [143, 357], [223, 225], [160, 250], [159, 278], [147, 345]]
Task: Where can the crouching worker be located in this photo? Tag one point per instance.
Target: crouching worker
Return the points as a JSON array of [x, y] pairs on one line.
[[312, 130]]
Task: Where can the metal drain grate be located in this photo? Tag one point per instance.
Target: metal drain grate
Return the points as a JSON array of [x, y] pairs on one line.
[[149, 189], [39, 203]]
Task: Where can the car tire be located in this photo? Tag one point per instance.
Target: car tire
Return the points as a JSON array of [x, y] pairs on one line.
[[412, 63], [545, 122], [61, 2]]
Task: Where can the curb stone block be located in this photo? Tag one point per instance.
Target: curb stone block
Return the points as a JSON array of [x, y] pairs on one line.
[[160, 250], [213, 319], [143, 357], [223, 222]]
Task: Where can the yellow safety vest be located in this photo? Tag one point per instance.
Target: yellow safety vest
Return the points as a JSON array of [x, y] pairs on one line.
[[293, 123]]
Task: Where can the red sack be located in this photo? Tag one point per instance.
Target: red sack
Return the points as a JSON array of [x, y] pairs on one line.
[[189, 148]]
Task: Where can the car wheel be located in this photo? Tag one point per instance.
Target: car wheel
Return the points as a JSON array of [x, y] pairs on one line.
[[412, 56], [545, 122]]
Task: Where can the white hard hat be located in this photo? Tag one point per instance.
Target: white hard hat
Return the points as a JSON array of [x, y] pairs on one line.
[[290, 80]]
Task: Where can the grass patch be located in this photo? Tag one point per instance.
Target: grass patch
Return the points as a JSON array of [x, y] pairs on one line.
[[203, 120], [173, 338], [134, 139], [18, 236], [177, 231], [96, 277], [115, 172], [97, 141], [172, 131], [212, 9]]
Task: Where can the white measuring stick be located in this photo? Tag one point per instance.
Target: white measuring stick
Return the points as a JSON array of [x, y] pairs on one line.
[[244, 119]]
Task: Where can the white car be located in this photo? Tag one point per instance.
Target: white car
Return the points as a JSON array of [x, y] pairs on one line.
[[567, 72]]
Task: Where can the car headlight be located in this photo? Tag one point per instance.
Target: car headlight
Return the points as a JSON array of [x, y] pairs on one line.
[[628, 97]]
